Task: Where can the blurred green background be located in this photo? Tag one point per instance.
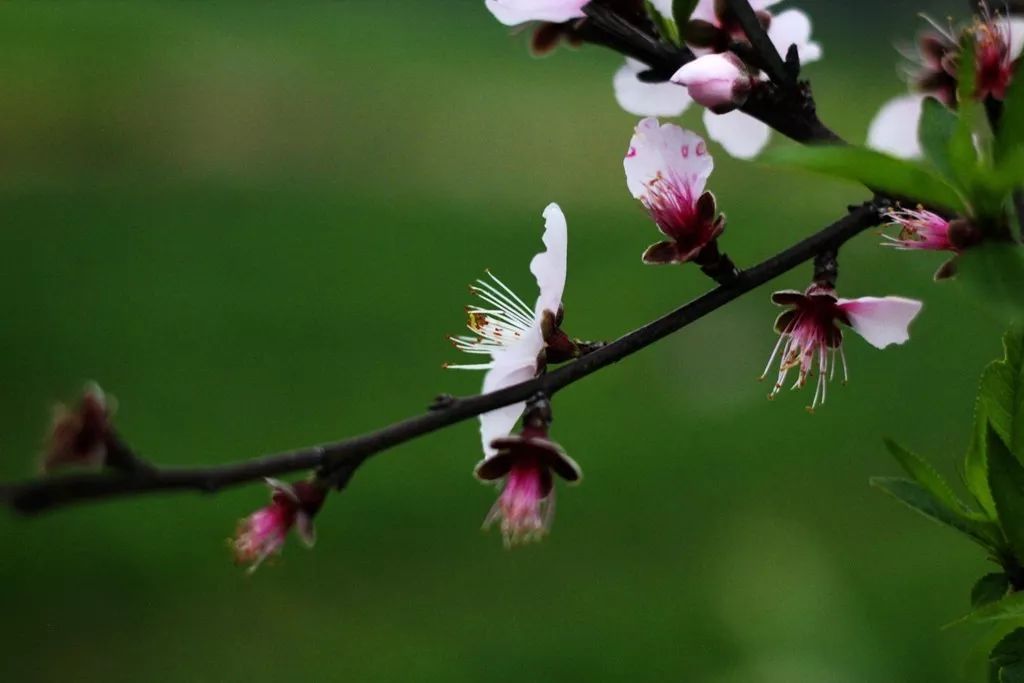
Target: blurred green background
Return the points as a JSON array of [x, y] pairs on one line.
[[254, 223]]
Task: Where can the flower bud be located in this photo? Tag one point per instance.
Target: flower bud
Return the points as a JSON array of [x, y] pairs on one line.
[[720, 82], [78, 436]]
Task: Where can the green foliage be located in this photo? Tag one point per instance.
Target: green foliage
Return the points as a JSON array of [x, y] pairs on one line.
[[936, 131], [1010, 136], [1006, 662], [665, 25], [993, 272], [988, 589], [915, 496], [876, 170], [921, 471], [1006, 482]]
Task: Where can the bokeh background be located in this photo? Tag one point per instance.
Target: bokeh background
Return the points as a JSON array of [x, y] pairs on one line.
[[254, 223]]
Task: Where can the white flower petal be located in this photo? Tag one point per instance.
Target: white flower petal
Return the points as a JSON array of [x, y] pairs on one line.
[[894, 128], [742, 136], [499, 423], [793, 27], [1015, 25], [881, 320], [549, 266], [513, 12], [666, 151], [647, 99]]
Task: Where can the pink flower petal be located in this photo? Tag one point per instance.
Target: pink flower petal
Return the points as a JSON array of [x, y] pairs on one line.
[[666, 152], [881, 320]]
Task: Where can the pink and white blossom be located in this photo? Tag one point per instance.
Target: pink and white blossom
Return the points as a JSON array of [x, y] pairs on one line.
[[263, 533], [513, 334], [720, 82], [742, 136], [919, 229], [667, 169], [933, 68], [526, 463], [810, 338], [515, 12]]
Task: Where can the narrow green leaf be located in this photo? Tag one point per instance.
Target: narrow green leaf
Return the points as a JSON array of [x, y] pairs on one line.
[[936, 130], [1010, 607], [1006, 481], [921, 471], [967, 81], [876, 170], [915, 496], [682, 10], [1010, 138], [665, 25], [989, 588]]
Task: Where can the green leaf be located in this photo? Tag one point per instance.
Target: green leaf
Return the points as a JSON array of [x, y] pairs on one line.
[[989, 588], [915, 496], [1010, 138], [878, 171], [936, 131], [1000, 401], [1006, 481], [1006, 661], [993, 272], [1001, 393], [967, 82], [921, 471], [1010, 607], [665, 25], [682, 10]]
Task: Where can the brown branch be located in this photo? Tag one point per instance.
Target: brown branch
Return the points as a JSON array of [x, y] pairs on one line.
[[338, 461]]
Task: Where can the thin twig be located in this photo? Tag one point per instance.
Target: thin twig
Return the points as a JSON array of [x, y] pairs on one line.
[[337, 461]]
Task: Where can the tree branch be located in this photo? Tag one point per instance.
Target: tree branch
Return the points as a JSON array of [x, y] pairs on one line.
[[770, 60], [337, 461]]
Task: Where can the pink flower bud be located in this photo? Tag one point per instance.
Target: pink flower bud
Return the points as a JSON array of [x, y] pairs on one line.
[[263, 533], [78, 436], [720, 82]]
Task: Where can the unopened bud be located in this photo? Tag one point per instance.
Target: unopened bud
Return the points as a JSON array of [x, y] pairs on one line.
[[720, 82]]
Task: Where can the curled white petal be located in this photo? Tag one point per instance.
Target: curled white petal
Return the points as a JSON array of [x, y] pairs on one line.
[[1015, 27], [793, 27], [549, 266], [647, 99], [742, 136], [514, 12], [666, 151], [894, 128], [881, 320]]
